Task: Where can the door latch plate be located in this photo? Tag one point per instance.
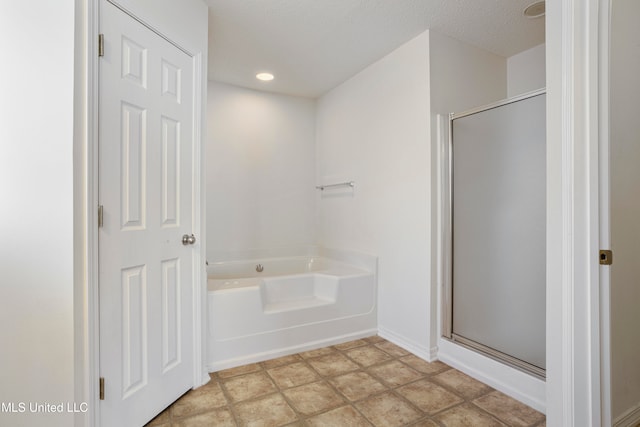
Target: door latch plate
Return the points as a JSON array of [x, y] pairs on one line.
[[606, 257]]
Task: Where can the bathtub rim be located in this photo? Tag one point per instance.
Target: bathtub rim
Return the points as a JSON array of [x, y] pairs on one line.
[[344, 271], [326, 259], [356, 258]]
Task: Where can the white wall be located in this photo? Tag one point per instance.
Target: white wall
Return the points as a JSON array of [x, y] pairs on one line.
[[526, 71], [44, 156], [374, 129], [36, 208], [625, 207], [260, 164], [464, 76], [557, 387]]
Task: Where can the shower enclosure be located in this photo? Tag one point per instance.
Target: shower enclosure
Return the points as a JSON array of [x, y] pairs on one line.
[[494, 299]]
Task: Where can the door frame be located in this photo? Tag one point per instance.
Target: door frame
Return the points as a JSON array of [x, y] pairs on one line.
[[577, 138], [86, 305], [604, 23]]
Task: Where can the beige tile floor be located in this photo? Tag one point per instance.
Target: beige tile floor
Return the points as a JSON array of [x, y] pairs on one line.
[[367, 382]]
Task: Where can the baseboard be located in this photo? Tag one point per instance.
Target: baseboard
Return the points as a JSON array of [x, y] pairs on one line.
[[521, 386], [267, 355], [205, 378], [428, 354], [630, 418]]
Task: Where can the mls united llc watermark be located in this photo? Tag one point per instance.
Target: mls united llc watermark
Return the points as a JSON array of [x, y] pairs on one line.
[[42, 407]]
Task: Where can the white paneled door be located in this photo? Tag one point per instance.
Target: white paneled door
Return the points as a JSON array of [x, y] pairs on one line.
[[146, 289]]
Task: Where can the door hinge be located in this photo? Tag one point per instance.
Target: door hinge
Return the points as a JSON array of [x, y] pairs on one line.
[[100, 44], [100, 216], [101, 388], [606, 257]]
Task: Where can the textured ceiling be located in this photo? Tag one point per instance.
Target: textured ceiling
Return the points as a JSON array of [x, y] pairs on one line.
[[313, 45]]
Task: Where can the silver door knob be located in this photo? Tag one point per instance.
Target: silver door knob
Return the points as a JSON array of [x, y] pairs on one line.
[[188, 240]]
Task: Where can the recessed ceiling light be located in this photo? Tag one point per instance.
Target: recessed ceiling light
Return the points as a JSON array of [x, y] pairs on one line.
[[265, 77], [535, 10]]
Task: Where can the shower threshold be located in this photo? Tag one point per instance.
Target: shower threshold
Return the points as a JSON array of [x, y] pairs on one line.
[[499, 356]]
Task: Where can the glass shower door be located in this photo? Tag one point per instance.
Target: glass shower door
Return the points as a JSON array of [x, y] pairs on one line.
[[498, 183]]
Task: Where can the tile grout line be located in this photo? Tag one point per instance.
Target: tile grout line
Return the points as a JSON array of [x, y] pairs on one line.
[[227, 397], [391, 353], [361, 368], [325, 380], [423, 376], [389, 387], [393, 389], [300, 417]]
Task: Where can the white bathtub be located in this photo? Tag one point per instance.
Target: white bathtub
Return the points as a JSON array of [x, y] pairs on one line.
[[294, 304]]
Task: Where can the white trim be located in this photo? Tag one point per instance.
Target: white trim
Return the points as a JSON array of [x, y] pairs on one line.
[[592, 211], [573, 354], [92, 198], [605, 228], [90, 302], [428, 354], [630, 418], [200, 376], [567, 217]]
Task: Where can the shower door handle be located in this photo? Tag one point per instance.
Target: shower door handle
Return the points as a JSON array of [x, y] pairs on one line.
[[188, 240]]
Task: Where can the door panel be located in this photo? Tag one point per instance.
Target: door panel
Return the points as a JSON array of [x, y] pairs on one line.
[[146, 287], [170, 172], [133, 197]]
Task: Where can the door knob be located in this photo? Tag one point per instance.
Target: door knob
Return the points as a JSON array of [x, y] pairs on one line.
[[188, 240]]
